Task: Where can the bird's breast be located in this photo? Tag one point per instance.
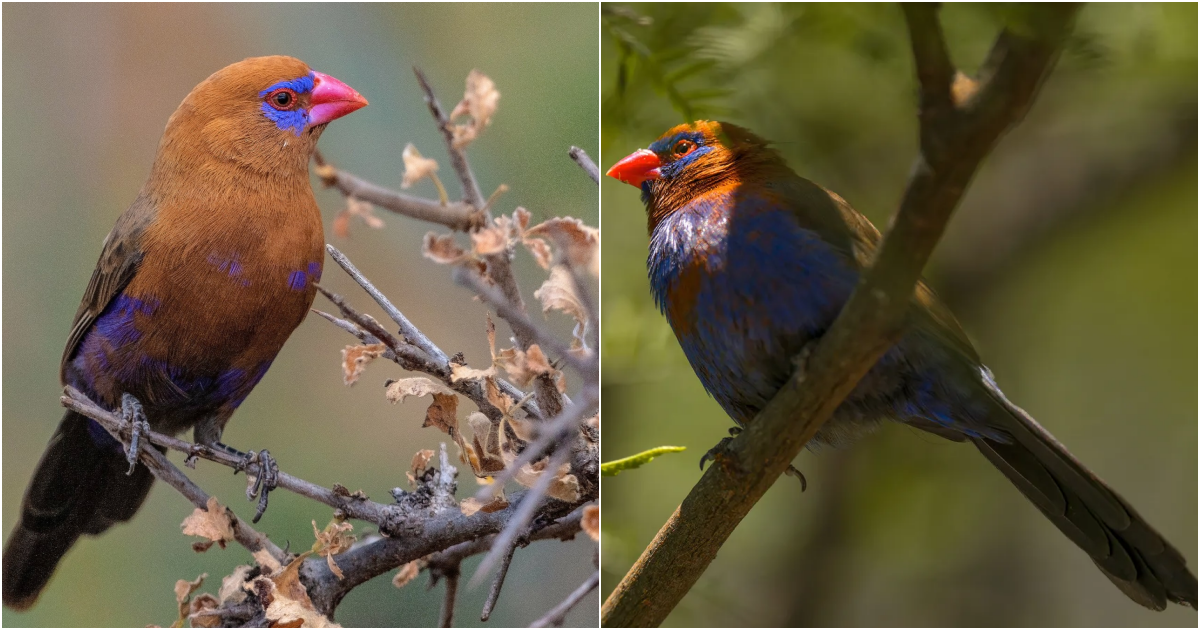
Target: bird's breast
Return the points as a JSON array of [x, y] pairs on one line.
[[744, 287]]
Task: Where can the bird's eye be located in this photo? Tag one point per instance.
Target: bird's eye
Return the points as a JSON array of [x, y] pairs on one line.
[[683, 147], [282, 98]]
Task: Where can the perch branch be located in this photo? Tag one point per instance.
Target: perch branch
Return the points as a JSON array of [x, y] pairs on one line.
[[165, 471], [952, 147]]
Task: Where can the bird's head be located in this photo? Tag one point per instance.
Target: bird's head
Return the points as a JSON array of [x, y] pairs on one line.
[[690, 160], [264, 113]]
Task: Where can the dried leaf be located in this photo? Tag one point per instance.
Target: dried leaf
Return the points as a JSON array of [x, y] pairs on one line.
[[183, 595], [215, 523], [590, 523], [494, 239], [558, 293], [471, 505], [184, 589], [416, 167], [442, 413], [356, 358], [523, 367], [334, 539], [268, 562], [202, 612], [420, 463], [406, 574], [564, 486], [442, 249], [459, 372], [480, 101], [233, 585], [417, 386], [287, 602], [355, 208], [579, 242]]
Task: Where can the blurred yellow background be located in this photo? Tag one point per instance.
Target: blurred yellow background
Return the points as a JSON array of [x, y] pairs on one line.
[[1071, 263], [87, 91]]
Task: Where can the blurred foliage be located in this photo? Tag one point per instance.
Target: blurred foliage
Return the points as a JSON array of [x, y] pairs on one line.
[[1071, 262], [88, 89]]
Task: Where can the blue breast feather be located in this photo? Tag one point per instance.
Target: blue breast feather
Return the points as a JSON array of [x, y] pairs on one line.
[[744, 287]]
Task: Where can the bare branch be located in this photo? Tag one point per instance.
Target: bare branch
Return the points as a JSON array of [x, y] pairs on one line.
[[454, 215], [498, 583], [555, 617], [868, 324], [581, 158], [458, 159], [446, 619]]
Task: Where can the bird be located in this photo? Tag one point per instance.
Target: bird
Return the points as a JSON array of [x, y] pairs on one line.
[[198, 286], [750, 262]]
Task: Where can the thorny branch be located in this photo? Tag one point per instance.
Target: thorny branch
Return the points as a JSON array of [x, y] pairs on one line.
[[960, 120], [531, 439]]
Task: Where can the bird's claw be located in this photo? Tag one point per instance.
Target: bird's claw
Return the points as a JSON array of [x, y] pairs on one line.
[[792, 471], [720, 448], [261, 484], [135, 417]]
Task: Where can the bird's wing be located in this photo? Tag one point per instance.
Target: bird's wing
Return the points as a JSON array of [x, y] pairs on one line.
[[119, 261], [843, 226]]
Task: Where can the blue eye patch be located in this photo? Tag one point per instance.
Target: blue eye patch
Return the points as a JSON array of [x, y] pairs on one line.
[[296, 119], [300, 85]]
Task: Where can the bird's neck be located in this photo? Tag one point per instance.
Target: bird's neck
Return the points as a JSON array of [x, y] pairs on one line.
[[725, 172]]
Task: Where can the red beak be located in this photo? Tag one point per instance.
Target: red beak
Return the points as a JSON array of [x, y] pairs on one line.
[[637, 167], [332, 99]]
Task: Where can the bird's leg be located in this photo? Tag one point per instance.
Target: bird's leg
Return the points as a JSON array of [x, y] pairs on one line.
[[134, 416], [721, 446], [264, 482], [208, 435]]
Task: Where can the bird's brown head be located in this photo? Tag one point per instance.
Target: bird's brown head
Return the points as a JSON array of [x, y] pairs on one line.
[[690, 160], [262, 113]]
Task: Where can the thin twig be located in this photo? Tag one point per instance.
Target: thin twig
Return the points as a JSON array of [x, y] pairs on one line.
[[558, 614], [581, 158], [410, 332], [458, 159], [498, 583], [446, 619], [520, 520]]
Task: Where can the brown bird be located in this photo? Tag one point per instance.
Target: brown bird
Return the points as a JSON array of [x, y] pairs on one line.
[[198, 286]]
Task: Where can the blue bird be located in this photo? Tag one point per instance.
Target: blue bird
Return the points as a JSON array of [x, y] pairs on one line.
[[750, 262]]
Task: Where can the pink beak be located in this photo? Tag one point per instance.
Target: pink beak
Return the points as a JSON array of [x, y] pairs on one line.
[[332, 99], [637, 167]]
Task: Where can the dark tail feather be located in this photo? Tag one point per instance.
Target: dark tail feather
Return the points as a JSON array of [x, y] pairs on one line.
[[1123, 545], [80, 487]]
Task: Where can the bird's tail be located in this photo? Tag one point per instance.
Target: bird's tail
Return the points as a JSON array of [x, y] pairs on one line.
[[1137, 559], [80, 487]]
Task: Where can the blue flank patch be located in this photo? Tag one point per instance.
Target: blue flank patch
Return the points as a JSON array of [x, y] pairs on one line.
[[116, 324], [295, 119], [297, 280], [314, 271]]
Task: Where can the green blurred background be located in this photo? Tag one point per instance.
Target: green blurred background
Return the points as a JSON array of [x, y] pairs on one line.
[[87, 91], [1071, 262]]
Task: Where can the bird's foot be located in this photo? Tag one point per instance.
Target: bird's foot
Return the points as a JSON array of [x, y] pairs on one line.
[[792, 471], [261, 484], [135, 418], [720, 448]]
